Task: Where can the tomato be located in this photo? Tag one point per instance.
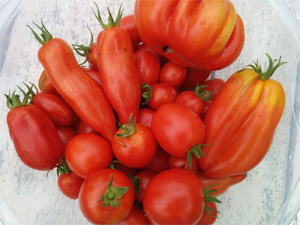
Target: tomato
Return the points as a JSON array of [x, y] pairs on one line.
[[182, 163], [178, 130], [159, 162], [69, 184], [134, 145], [145, 116], [45, 84], [93, 73], [173, 74], [128, 23], [170, 28], [161, 93], [148, 64], [244, 117], [174, 196], [32, 132], [136, 216], [65, 134], [221, 185], [194, 77], [106, 197], [117, 67], [124, 169], [209, 219], [144, 178], [56, 108], [66, 75], [87, 153], [84, 128]]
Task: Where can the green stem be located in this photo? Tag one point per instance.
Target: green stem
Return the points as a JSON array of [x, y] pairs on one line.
[[44, 37], [129, 129], [271, 69], [146, 93], [197, 151], [201, 93], [209, 198]]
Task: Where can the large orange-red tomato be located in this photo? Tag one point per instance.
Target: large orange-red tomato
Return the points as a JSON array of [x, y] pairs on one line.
[[199, 34]]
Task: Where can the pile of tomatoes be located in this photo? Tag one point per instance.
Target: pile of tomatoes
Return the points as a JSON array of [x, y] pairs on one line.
[[142, 135]]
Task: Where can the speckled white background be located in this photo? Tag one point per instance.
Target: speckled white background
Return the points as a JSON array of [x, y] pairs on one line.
[[30, 206]]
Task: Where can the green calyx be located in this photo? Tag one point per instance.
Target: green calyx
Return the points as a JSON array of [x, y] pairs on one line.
[[197, 151], [202, 93], [83, 50], [111, 21], [13, 100], [129, 129], [209, 198], [62, 167], [146, 93], [271, 69], [44, 37], [112, 195], [135, 183]]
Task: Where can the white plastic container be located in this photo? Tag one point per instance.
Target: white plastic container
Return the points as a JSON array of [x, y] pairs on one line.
[[271, 192]]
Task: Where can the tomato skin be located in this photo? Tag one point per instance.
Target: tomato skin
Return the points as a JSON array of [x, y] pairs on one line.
[[162, 93], [65, 134], [25, 124], [94, 187], [148, 65], [173, 74], [92, 57], [93, 73], [45, 84], [145, 116], [194, 77], [244, 119], [69, 184], [182, 163], [136, 216], [144, 178], [55, 108], [191, 100], [209, 219], [159, 162], [66, 75], [221, 185], [87, 153], [128, 23], [171, 192], [117, 67], [170, 28], [137, 150], [177, 129], [83, 128]]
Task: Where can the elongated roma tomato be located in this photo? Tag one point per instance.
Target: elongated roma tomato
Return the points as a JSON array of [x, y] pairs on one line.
[[241, 122], [198, 34], [80, 91]]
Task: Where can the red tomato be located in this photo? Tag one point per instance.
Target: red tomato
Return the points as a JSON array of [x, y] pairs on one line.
[[134, 145], [162, 93], [194, 77], [182, 163], [65, 134], [70, 184], [207, 219], [173, 74], [191, 100], [221, 185], [106, 197], [148, 65], [93, 73], [145, 116], [128, 23], [174, 196], [45, 83], [178, 129], [159, 162], [56, 108], [34, 136], [87, 153], [83, 128], [116, 65], [124, 169], [144, 178], [170, 28], [136, 216]]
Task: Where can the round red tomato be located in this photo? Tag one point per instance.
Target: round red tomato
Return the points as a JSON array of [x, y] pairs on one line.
[[182, 163], [174, 196], [177, 129], [65, 134], [191, 100], [194, 77], [207, 219], [145, 116], [144, 178], [106, 197], [159, 162], [134, 145], [136, 216], [69, 184], [173, 74], [87, 153]]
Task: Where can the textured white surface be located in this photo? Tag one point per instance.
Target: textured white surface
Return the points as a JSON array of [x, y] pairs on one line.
[[50, 208]]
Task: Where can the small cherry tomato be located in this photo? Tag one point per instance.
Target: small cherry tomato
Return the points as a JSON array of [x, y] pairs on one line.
[[69, 184], [159, 162], [136, 216], [173, 74], [145, 116], [194, 77], [209, 219]]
